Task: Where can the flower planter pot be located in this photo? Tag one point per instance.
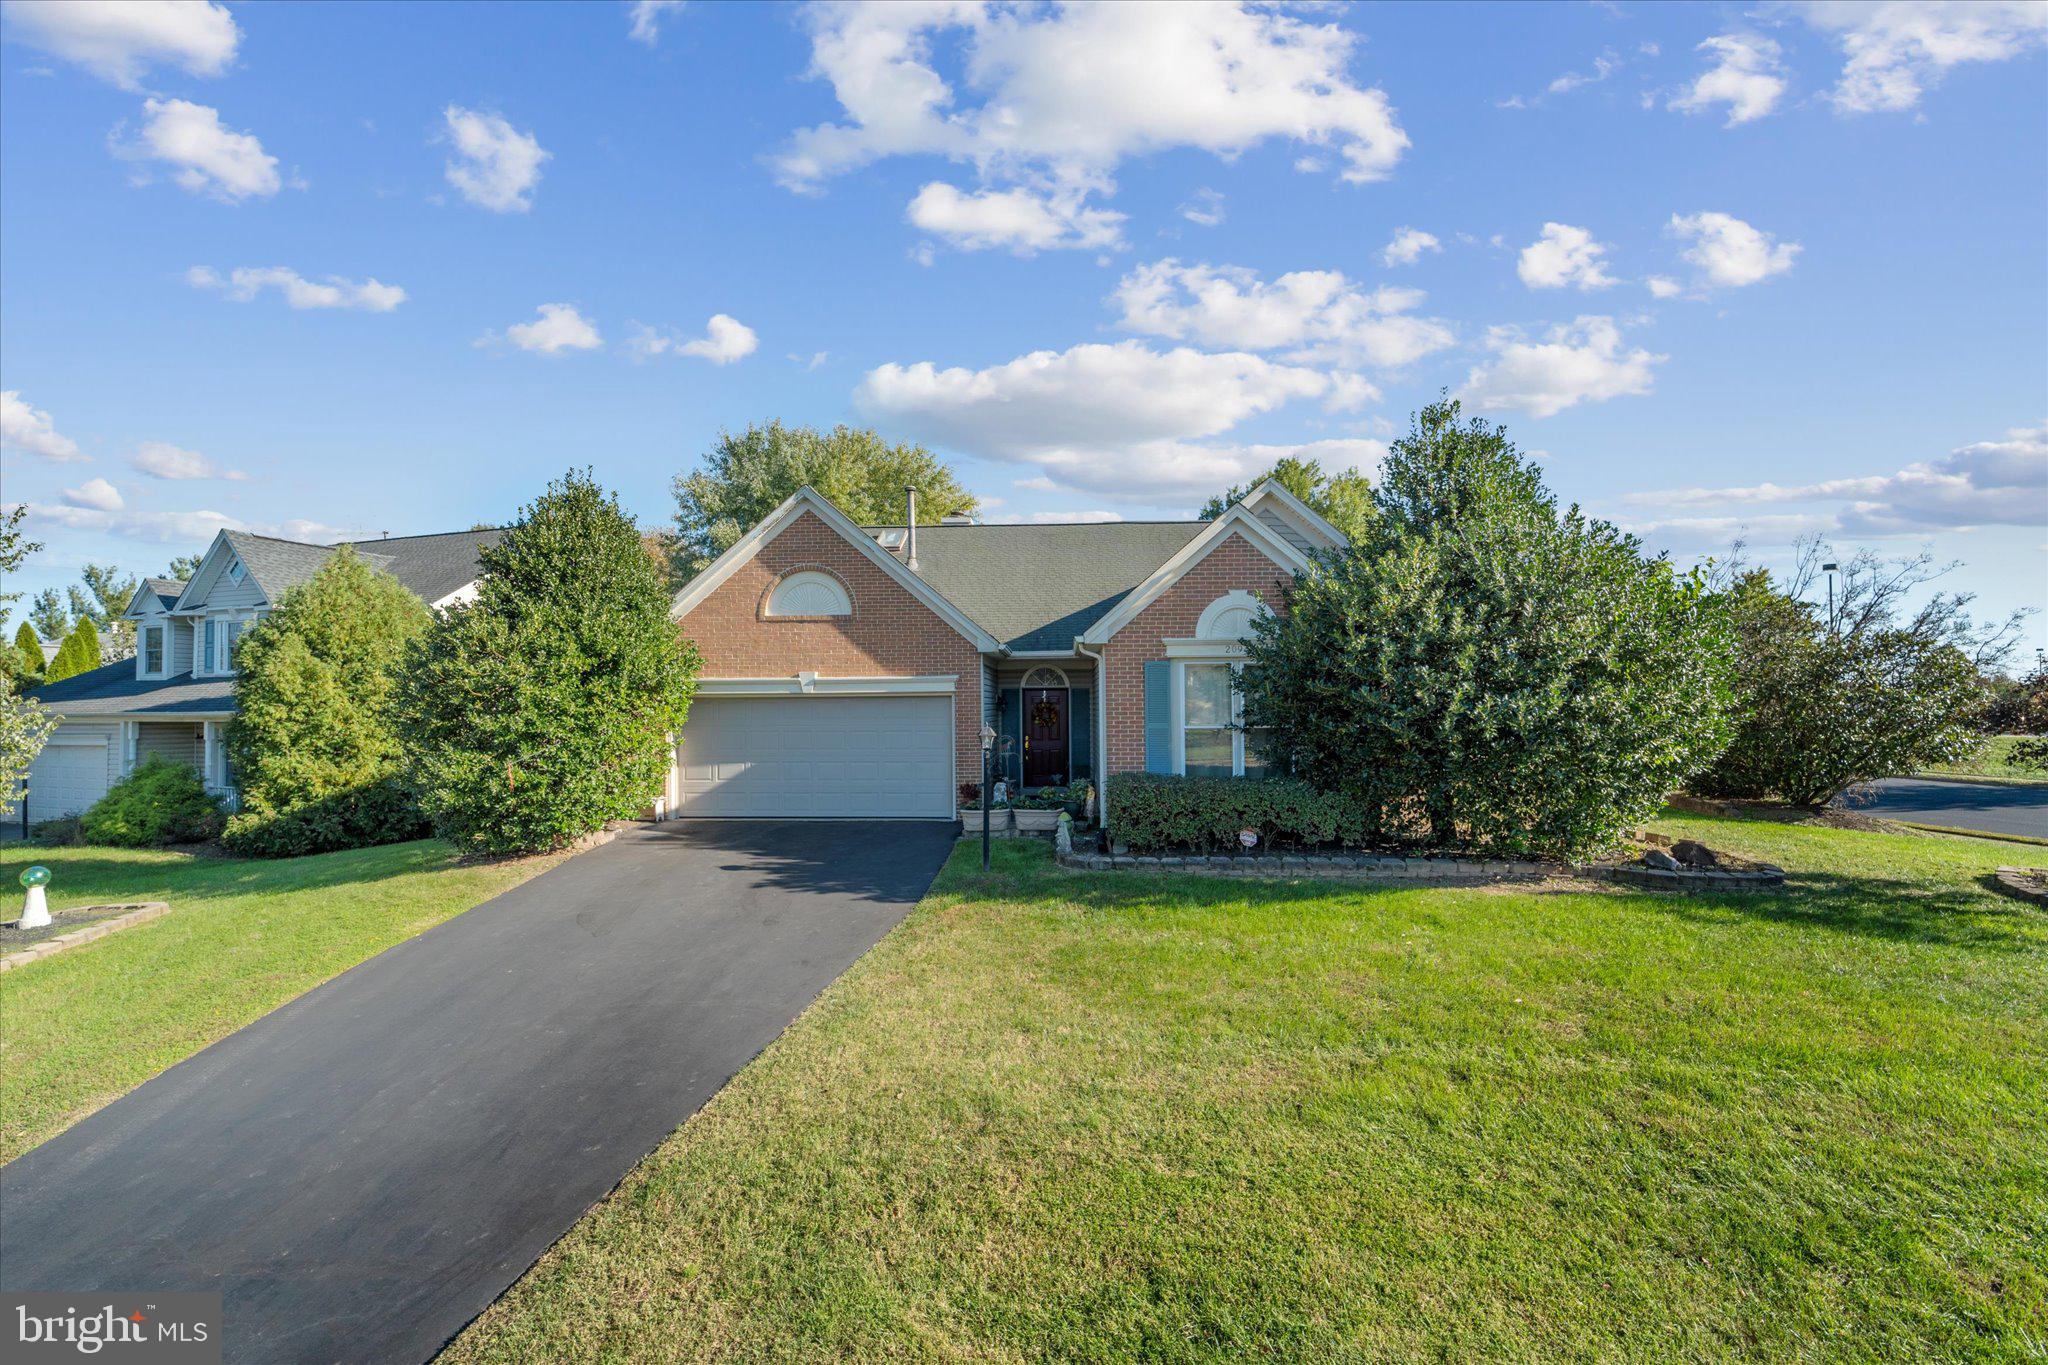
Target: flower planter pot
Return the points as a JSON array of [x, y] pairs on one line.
[[998, 820], [1037, 821]]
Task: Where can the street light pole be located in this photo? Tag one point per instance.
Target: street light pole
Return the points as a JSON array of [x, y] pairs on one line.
[[1829, 569]]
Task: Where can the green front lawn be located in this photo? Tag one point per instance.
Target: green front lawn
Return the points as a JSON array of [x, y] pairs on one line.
[[1167, 1117], [1993, 762], [82, 1028]]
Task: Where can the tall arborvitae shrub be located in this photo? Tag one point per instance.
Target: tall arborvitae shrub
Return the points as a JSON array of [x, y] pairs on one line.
[[546, 707]]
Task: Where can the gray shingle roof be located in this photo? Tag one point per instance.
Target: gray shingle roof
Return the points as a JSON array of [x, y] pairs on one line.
[[166, 590], [432, 565], [1037, 587], [113, 690], [278, 565]]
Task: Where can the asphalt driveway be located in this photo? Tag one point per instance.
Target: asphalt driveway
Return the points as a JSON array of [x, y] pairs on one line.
[[1998, 807], [365, 1169]]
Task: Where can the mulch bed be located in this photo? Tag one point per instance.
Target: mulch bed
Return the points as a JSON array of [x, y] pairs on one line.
[[14, 937]]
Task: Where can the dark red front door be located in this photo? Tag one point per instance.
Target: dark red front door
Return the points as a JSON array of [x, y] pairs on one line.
[[1045, 736]]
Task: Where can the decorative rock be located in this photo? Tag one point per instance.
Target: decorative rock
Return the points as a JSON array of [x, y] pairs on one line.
[[1692, 853], [1657, 858]]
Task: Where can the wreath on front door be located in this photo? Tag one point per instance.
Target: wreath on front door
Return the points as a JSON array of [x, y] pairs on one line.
[[1044, 715]]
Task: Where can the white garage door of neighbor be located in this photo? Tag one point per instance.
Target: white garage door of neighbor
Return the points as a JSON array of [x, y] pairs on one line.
[[66, 779], [817, 757]]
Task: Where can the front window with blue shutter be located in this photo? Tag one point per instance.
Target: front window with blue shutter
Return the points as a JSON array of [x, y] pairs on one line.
[[1159, 717], [207, 655]]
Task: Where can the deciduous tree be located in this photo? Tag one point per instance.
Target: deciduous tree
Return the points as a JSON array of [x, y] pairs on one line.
[[747, 475]]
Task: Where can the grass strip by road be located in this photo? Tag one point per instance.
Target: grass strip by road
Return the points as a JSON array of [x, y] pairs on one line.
[[1991, 763], [1124, 1117], [82, 1028]]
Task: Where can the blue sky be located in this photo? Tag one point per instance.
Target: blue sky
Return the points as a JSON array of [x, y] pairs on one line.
[[340, 269]]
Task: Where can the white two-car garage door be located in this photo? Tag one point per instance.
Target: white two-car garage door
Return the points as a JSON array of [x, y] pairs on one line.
[[817, 757]]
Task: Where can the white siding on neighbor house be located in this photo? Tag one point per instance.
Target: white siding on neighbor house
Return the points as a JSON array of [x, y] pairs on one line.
[[227, 596], [183, 741], [81, 760], [181, 647]]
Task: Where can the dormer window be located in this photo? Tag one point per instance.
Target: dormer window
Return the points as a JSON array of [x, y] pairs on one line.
[[152, 650]]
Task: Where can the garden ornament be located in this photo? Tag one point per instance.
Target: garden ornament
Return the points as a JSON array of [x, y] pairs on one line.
[[35, 912]]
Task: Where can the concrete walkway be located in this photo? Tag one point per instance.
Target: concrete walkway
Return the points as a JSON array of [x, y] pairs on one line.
[[365, 1169]]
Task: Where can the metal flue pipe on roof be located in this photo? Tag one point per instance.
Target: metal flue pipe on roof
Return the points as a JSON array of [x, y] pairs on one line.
[[910, 520]]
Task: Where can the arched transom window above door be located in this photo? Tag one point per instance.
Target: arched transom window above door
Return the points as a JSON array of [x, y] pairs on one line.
[[1045, 677], [1230, 616], [809, 593]]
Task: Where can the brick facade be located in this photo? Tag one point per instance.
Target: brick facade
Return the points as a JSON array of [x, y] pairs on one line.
[[1235, 563], [890, 634]]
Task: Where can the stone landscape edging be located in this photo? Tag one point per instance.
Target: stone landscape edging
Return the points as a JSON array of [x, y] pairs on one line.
[[1392, 867], [2020, 882], [143, 913]]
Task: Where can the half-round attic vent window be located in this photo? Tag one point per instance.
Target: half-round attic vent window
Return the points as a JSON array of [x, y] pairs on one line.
[[809, 594], [1230, 616]]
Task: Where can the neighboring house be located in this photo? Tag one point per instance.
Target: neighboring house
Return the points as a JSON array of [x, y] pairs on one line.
[[848, 670], [175, 696]]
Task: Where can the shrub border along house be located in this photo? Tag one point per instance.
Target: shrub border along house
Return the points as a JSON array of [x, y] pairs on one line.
[[1304, 832]]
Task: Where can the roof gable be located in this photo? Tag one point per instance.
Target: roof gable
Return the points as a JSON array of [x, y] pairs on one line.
[[1239, 519], [808, 499], [154, 596]]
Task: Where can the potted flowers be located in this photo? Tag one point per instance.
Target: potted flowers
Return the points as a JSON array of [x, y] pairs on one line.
[[1039, 812], [970, 811]]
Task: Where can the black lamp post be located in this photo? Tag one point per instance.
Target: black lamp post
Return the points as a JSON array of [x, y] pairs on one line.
[[988, 748]]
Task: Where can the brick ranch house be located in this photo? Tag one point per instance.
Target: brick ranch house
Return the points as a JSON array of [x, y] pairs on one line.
[[848, 670]]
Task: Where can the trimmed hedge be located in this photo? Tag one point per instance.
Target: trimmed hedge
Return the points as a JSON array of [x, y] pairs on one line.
[[382, 812], [1156, 813], [161, 802]]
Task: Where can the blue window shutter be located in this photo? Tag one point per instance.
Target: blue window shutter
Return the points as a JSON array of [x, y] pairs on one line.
[[1013, 730], [208, 659], [1080, 733], [1159, 716]]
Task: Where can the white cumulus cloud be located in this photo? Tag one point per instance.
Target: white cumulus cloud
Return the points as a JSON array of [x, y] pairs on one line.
[[246, 282], [1408, 246], [1318, 316], [646, 16], [1018, 220], [95, 493], [1729, 252], [1897, 49], [30, 430], [1122, 420], [495, 166], [1986, 483], [120, 40], [1564, 257], [559, 328], [1582, 361], [206, 156], [162, 460], [1745, 75], [1062, 95], [725, 340]]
